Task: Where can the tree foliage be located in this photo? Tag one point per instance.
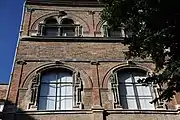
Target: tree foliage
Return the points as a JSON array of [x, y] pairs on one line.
[[154, 25]]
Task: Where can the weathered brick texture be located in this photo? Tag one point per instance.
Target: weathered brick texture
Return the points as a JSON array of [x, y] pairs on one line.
[[93, 58], [3, 91]]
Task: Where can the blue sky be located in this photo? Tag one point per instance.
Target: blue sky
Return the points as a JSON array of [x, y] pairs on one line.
[[10, 18]]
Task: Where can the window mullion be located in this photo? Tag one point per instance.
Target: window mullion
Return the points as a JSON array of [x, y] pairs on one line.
[[56, 92], [135, 91], [59, 30], [60, 94]]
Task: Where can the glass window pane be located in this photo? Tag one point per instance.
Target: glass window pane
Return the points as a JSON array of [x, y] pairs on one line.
[[42, 103], [144, 103], [128, 102], [64, 77], [51, 31], [50, 103], [123, 101], [143, 90], [66, 103], [115, 33], [68, 33], [46, 103], [63, 91], [48, 90], [126, 90], [51, 77], [124, 77], [56, 91], [132, 94], [69, 79], [131, 103], [136, 78], [66, 90]]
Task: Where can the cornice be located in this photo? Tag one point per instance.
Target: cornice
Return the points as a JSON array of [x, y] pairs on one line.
[[73, 3], [72, 39]]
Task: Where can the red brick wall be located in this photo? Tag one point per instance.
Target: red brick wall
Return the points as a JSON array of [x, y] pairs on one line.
[[3, 91], [94, 60]]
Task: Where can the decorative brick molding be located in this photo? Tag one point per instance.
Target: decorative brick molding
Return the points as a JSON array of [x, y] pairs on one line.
[[56, 14], [155, 90], [78, 87], [34, 92], [122, 65], [115, 91], [35, 84]]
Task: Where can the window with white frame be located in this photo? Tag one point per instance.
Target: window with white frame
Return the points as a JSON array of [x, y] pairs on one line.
[[129, 93], [58, 90]]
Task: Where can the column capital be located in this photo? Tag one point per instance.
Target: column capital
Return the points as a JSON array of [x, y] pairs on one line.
[[21, 62], [94, 63]]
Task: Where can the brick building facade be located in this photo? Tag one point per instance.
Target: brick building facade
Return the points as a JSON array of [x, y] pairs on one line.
[[3, 91], [71, 66]]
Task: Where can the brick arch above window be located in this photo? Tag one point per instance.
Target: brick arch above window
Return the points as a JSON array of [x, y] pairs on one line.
[[42, 19], [49, 28], [99, 25], [53, 75], [133, 72], [128, 93], [124, 65], [87, 82], [75, 18], [57, 89], [106, 31]]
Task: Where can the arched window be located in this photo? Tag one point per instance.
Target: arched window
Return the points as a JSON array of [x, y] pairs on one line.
[[67, 27], [114, 33], [60, 89], [50, 27], [129, 93]]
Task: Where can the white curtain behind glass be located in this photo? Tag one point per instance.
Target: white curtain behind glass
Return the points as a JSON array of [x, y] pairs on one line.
[[56, 92], [132, 94]]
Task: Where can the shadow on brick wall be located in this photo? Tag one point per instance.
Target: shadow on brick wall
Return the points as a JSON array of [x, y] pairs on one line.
[[11, 112]]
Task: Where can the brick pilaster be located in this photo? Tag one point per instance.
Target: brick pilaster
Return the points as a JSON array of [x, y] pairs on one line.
[[96, 97]]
